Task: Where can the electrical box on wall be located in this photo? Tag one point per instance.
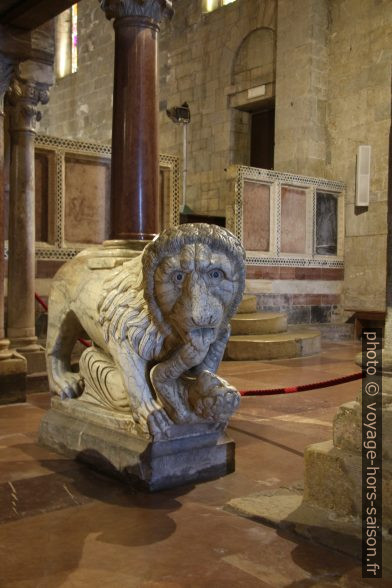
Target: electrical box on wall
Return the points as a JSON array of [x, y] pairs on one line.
[[362, 188]]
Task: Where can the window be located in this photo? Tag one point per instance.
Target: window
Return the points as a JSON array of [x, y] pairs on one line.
[[210, 5], [67, 42]]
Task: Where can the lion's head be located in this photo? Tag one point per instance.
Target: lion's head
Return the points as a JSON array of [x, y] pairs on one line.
[[190, 277]]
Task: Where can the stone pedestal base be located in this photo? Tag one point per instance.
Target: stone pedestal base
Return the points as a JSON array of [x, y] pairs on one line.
[[328, 508], [35, 358], [101, 438], [13, 371], [284, 508]]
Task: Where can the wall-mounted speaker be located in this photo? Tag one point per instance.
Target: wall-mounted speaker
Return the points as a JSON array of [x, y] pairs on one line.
[[362, 188]]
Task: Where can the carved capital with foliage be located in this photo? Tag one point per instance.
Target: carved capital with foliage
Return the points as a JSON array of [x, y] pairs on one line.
[[23, 98], [6, 70], [157, 10]]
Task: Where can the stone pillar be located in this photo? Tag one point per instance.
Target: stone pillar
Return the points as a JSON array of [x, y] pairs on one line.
[[6, 67], [135, 163], [12, 365], [28, 88], [301, 86]]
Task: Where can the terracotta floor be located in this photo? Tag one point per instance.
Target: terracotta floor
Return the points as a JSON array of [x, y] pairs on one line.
[[64, 525]]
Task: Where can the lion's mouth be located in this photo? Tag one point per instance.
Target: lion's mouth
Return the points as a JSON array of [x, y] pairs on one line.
[[205, 335]]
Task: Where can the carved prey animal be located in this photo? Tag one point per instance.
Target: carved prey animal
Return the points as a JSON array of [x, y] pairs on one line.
[[159, 324]]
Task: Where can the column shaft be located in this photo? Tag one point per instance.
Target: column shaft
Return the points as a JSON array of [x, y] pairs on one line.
[[2, 332], [21, 263], [135, 159], [23, 96], [5, 76], [135, 165]]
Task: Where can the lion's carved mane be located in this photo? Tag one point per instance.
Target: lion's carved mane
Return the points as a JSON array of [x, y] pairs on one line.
[[128, 309], [149, 357]]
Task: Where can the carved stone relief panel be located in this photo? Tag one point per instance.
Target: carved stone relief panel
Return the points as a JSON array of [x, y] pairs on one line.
[[256, 232], [44, 196], [293, 220], [326, 238], [87, 199], [73, 195], [304, 213]]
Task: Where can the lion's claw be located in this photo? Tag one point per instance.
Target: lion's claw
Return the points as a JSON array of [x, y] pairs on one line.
[[72, 386]]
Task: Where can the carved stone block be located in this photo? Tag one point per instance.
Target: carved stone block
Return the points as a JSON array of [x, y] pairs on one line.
[[159, 323], [103, 440]]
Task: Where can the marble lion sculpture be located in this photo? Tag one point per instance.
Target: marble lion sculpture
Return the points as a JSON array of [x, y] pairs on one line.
[[159, 324]]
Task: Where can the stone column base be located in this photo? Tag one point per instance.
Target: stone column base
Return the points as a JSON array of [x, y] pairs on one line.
[[35, 357], [328, 509], [285, 509], [101, 438], [13, 369]]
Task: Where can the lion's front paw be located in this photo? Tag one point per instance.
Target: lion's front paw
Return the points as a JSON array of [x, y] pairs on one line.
[[212, 398], [72, 386], [155, 419]]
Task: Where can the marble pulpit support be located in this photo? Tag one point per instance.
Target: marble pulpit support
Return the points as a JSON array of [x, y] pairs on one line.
[[12, 365], [135, 167], [28, 88]]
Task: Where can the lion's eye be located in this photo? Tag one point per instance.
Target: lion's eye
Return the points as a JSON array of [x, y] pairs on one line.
[[178, 277], [215, 275]]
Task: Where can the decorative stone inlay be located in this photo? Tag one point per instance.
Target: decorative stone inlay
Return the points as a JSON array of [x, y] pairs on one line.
[[23, 97], [154, 9]]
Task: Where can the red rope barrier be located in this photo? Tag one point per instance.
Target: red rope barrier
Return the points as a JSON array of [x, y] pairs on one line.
[[266, 391], [45, 307], [303, 387]]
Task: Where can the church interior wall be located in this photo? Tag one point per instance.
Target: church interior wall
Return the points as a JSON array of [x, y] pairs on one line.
[[359, 113], [325, 65]]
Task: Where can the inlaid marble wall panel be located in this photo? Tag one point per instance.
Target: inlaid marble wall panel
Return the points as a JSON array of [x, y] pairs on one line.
[[44, 202], [164, 192], [326, 223], [87, 198], [73, 195], [293, 220], [256, 214]]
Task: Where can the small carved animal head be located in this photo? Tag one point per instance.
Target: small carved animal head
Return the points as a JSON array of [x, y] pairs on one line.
[[194, 277]]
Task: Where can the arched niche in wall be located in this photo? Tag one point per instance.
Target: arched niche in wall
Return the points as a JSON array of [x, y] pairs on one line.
[[252, 99]]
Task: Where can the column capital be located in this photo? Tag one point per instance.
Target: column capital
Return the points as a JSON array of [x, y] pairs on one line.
[[157, 10], [6, 71], [23, 97]]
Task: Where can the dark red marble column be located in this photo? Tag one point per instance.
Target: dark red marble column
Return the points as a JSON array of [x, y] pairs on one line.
[[135, 159]]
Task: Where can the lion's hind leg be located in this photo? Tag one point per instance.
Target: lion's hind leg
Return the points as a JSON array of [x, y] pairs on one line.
[[64, 330]]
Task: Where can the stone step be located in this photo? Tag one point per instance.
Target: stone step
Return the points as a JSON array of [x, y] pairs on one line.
[[273, 346], [258, 323], [332, 331], [247, 304]]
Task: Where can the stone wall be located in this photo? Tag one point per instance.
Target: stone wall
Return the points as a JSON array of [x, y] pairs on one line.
[[301, 86], [326, 64], [80, 104], [359, 112], [197, 53], [333, 93]]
